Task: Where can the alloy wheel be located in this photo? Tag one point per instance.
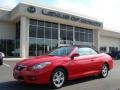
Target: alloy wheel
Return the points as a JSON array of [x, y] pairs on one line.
[[104, 70], [58, 78]]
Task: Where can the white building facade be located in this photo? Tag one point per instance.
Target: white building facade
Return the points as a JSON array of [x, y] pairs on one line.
[[109, 41], [31, 30]]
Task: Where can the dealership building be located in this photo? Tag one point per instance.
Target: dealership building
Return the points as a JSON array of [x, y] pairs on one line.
[[33, 30]]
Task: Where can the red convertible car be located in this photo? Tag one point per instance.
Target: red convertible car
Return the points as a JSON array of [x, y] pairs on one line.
[[62, 64]]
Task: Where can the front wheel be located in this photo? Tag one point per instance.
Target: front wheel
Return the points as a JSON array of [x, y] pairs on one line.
[[58, 78], [104, 71]]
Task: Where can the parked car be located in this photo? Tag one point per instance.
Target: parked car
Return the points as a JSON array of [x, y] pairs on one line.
[[2, 55], [62, 64], [115, 54]]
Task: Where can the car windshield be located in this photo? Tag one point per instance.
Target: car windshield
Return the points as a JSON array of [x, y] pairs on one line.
[[63, 51]]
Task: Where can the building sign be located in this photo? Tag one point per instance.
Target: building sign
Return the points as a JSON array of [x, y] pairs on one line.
[[70, 17], [31, 9], [65, 16]]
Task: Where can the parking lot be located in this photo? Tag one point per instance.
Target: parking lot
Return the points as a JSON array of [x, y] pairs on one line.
[[112, 82]]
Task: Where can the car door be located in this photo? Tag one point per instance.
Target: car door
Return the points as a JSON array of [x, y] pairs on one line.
[[81, 66], [96, 61]]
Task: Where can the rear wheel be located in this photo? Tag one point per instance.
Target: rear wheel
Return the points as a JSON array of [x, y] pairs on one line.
[[104, 71], [58, 78]]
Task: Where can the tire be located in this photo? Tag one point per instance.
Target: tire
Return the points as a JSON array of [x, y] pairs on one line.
[[58, 78], [104, 71]]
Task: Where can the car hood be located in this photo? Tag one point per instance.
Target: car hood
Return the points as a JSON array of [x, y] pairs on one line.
[[39, 59]]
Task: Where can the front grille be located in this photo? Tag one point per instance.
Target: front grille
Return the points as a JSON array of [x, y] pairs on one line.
[[19, 67]]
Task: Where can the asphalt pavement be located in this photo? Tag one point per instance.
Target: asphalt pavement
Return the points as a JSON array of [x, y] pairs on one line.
[[112, 82]]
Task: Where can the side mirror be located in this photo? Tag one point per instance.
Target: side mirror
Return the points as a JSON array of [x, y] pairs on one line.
[[2, 55], [75, 55]]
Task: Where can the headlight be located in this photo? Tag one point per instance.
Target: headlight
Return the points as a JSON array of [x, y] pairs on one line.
[[40, 65]]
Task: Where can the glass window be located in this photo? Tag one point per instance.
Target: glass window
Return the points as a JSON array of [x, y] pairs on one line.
[[32, 47], [40, 46], [41, 23], [48, 33], [7, 47], [66, 34], [77, 29], [82, 37], [17, 44], [3, 46], [54, 44], [69, 28], [43, 37], [55, 33], [48, 43], [90, 36], [40, 32], [32, 31], [16, 52], [10, 47], [77, 36], [63, 34], [33, 22], [18, 30], [82, 30], [70, 35], [63, 26], [54, 25], [103, 49], [111, 49], [86, 35], [90, 32], [48, 24]]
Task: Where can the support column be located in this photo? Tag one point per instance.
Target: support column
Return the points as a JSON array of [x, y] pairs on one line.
[[24, 37], [73, 35], [96, 39], [58, 35]]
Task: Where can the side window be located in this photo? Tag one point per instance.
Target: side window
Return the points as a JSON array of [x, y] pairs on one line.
[[93, 52], [84, 51]]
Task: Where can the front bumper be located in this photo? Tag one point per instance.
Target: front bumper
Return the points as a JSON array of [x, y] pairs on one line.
[[33, 77]]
